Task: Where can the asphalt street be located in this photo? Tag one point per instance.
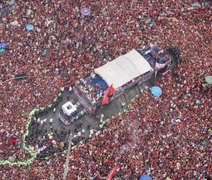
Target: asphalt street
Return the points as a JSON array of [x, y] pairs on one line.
[[85, 126], [92, 121]]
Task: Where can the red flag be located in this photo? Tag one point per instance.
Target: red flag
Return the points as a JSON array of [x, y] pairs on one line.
[[105, 99], [112, 173], [111, 90]]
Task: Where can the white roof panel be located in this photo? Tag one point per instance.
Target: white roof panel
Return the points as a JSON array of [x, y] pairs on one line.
[[123, 69]]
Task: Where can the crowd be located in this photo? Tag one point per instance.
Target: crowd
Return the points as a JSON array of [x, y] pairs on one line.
[[168, 138], [92, 92]]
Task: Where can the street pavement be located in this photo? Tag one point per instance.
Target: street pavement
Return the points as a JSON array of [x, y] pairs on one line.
[[84, 126]]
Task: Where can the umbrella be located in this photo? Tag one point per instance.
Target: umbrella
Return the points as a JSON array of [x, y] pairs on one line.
[[3, 45], [148, 20], [29, 27], [208, 79], [156, 91], [152, 23], [196, 4], [2, 50], [145, 177], [85, 11]]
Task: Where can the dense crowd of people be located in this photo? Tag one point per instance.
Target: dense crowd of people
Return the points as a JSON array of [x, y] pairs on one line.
[[168, 138], [93, 93]]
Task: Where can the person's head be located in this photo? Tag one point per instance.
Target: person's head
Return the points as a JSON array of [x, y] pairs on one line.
[[167, 57]]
